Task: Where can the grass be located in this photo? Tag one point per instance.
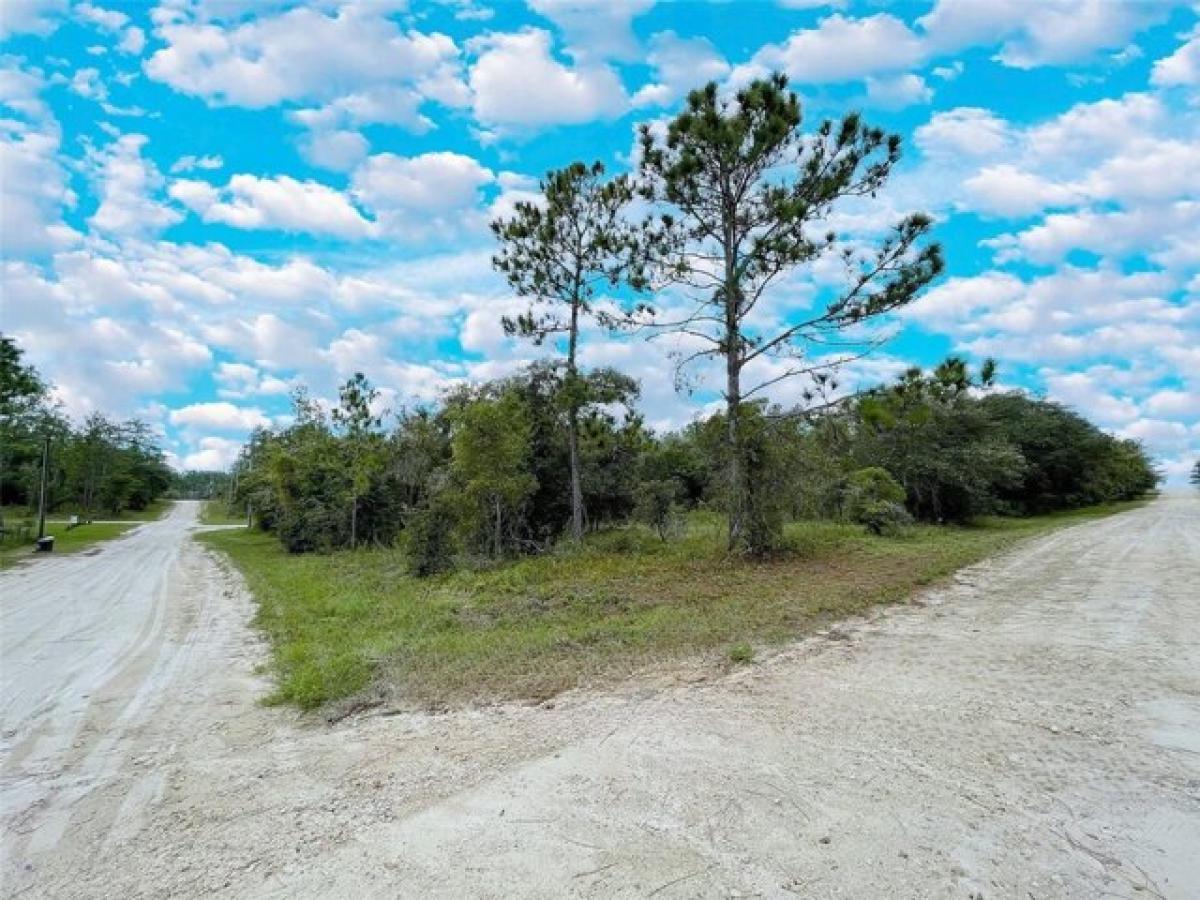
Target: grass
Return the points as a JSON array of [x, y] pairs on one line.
[[155, 510], [349, 622], [217, 512], [78, 538]]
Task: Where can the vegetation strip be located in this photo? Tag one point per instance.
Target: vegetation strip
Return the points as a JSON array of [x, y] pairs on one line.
[[350, 622], [66, 540]]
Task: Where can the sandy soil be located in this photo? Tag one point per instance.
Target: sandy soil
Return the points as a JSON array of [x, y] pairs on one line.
[[1031, 730]]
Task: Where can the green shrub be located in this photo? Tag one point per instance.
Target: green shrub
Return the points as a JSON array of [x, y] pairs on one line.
[[875, 500], [429, 542], [883, 517], [657, 507]]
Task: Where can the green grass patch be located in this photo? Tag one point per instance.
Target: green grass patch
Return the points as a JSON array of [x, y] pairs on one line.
[[78, 538], [217, 512], [154, 511], [346, 622]]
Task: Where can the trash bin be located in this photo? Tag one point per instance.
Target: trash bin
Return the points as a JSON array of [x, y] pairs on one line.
[[46, 544]]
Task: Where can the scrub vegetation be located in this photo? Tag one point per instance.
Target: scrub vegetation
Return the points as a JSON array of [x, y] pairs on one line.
[[530, 533]]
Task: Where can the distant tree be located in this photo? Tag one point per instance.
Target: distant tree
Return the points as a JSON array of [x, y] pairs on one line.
[[298, 481], [559, 254], [360, 423], [1069, 461], [197, 484], [20, 385], [937, 440], [747, 201], [1194, 477], [22, 401]]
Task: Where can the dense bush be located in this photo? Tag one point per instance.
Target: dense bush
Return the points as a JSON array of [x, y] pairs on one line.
[[487, 473], [429, 541], [875, 500]]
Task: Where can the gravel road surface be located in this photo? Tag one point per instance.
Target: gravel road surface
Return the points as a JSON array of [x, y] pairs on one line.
[[1029, 730]]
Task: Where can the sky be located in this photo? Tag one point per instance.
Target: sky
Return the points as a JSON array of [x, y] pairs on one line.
[[206, 203]]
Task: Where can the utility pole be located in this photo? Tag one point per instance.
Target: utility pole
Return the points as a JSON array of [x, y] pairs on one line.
[[42, 492]]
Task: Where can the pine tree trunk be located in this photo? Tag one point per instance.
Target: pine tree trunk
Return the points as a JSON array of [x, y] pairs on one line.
[[733, 405], [737, 475], [573, 429]]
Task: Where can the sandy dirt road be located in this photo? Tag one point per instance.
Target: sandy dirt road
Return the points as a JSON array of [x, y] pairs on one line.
[[1030, 730]]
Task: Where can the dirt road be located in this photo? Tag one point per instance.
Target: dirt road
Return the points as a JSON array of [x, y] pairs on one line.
[[1030, 730]]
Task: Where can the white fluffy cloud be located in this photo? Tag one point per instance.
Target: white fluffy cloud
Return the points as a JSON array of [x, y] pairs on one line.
[[1115, 177], [839, 49], [299, 54], [1166, 234], [283, 203], [416, 196], [127, 183], [679, 65], [31, 16], [357, 351], [133, 41], [34, 189], [1048, 32], [240, 380], [898, 91], [595, 28], [354, 61], [220, 415], [104, 19], [1183, 66], [517, 83], [1052, 32], [339, 150], [1009, 191], [215, 454]]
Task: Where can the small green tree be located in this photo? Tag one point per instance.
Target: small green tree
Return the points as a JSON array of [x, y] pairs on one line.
[[490, 464], [363, 442], [658, 506], [559, 254], [745, 199], [1194, 477]]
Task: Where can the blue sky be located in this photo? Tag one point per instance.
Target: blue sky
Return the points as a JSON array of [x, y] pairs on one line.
[[204, 203]]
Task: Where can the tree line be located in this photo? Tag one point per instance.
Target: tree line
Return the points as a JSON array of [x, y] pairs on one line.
[[488, 473], [100, 467], [731, 198]]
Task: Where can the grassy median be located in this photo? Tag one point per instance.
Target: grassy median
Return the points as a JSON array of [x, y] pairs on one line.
[[81, 537], [352, 622]]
